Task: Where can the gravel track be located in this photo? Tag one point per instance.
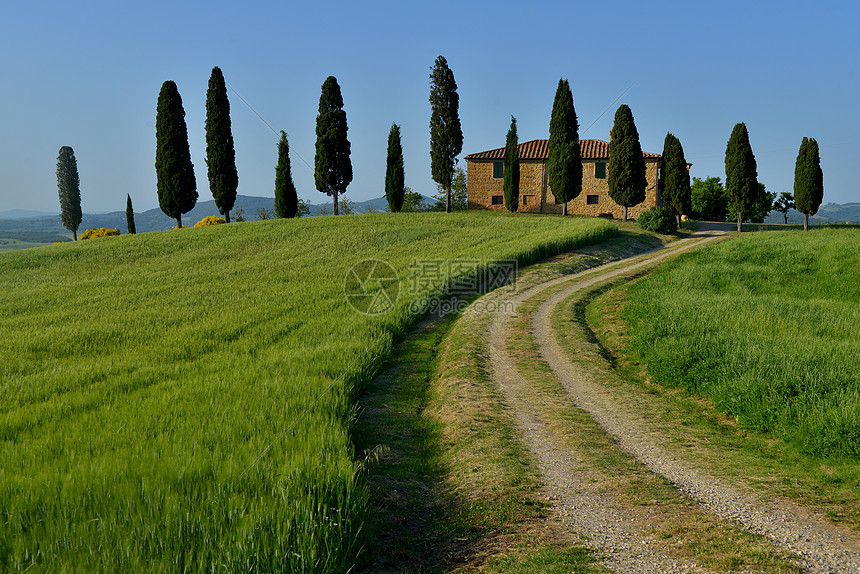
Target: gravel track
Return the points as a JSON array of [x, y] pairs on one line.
[[616, 532]]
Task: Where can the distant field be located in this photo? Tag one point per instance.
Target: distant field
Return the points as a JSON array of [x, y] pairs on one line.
[[182, 400], [8, 244], [11, 240], [768, 326]]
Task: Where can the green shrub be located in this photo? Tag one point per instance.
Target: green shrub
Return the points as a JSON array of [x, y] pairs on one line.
[[98, 232], [659, 220]]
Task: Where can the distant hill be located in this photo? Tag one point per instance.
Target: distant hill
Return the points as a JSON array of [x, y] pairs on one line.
[[23, 214], [827, 213], [29, 222]]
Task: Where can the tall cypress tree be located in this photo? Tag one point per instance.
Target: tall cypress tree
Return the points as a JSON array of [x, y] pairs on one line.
[[741, 172], [446, 135], [332, 167], [286, 198], [626, 171], [394, 174], [564, 167], [808, 180], [129, 215], [675, 178], [512, 168], [220, 154], [69, 187], [177, 185]]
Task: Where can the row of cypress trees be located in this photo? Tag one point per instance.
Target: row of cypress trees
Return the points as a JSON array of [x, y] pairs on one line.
[[742, 176], [177, 184], [177, 187], [446, 139]]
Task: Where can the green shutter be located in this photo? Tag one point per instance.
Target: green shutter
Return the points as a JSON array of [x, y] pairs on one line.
[[498, 169], [600, 170]]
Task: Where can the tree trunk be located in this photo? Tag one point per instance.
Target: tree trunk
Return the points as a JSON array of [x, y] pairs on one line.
[[75, 234], [625, 214], [679, 221], [179, 221], [806, 222], [564, 208], [227, 216], [448, 199], [785, 216], [739, 222], [334, 195]]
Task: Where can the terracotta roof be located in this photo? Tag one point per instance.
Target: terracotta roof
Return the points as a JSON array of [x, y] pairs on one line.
[[538, 149]]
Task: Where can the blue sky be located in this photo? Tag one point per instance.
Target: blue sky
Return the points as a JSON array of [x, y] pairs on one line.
[[87, 74]]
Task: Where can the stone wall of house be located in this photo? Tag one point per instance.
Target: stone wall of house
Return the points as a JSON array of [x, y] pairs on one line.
[[482, 186], [598, 188], [535, 196]]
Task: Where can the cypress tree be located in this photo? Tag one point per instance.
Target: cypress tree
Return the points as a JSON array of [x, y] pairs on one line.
[[69, 187], [446, 135], [394, 174], [564, 167], [129, 215], [675, 178], [741, 172], [177, 185], [626, 170], [220, 153], [286, 198], [332, 167], [808, 180], [512, 168]]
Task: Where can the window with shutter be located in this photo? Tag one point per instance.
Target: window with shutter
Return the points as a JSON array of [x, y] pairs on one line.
[[498, 169]]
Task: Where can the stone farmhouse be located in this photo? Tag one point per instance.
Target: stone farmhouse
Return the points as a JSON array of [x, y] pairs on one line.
[[485, 180]]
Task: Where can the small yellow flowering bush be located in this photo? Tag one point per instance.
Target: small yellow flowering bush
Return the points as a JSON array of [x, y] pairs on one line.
[[99, 232], [210, 220], [183, 227]]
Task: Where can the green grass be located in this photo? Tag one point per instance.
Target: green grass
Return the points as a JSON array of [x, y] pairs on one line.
[[183, 400], [767, 327]]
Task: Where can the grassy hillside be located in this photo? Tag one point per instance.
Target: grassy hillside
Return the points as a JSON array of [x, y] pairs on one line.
[[182, 400], [767, 326]]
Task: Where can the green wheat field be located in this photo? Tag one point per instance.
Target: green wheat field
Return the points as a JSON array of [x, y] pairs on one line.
[[182, 400]]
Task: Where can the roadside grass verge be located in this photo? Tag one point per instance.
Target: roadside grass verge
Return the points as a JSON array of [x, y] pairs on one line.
[[774, 462], [766, 326], [183, 400]]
